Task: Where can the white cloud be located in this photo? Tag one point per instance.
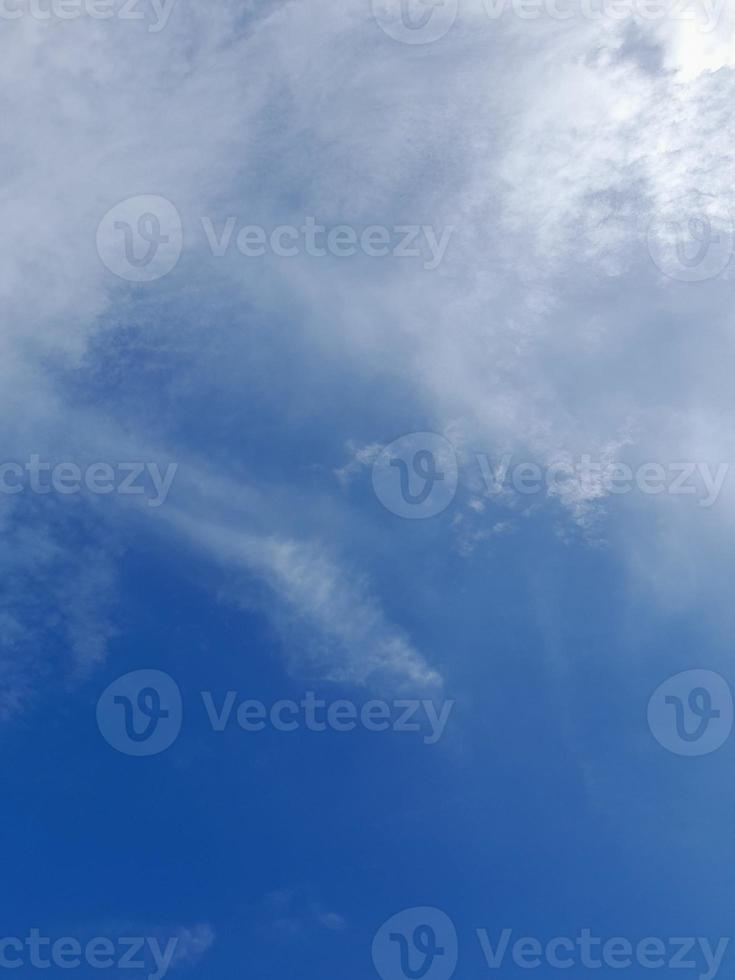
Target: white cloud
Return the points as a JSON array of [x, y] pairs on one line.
[[343, 634], [291, 912], [192, 943], [547, 327]]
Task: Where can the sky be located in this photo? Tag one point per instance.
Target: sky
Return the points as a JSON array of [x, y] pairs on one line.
[[365, 491]]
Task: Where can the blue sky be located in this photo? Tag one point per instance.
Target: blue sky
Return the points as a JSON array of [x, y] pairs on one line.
[[528, 228]]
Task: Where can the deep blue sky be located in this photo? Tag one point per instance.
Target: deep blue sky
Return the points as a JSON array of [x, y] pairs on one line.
[[547, 807]]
